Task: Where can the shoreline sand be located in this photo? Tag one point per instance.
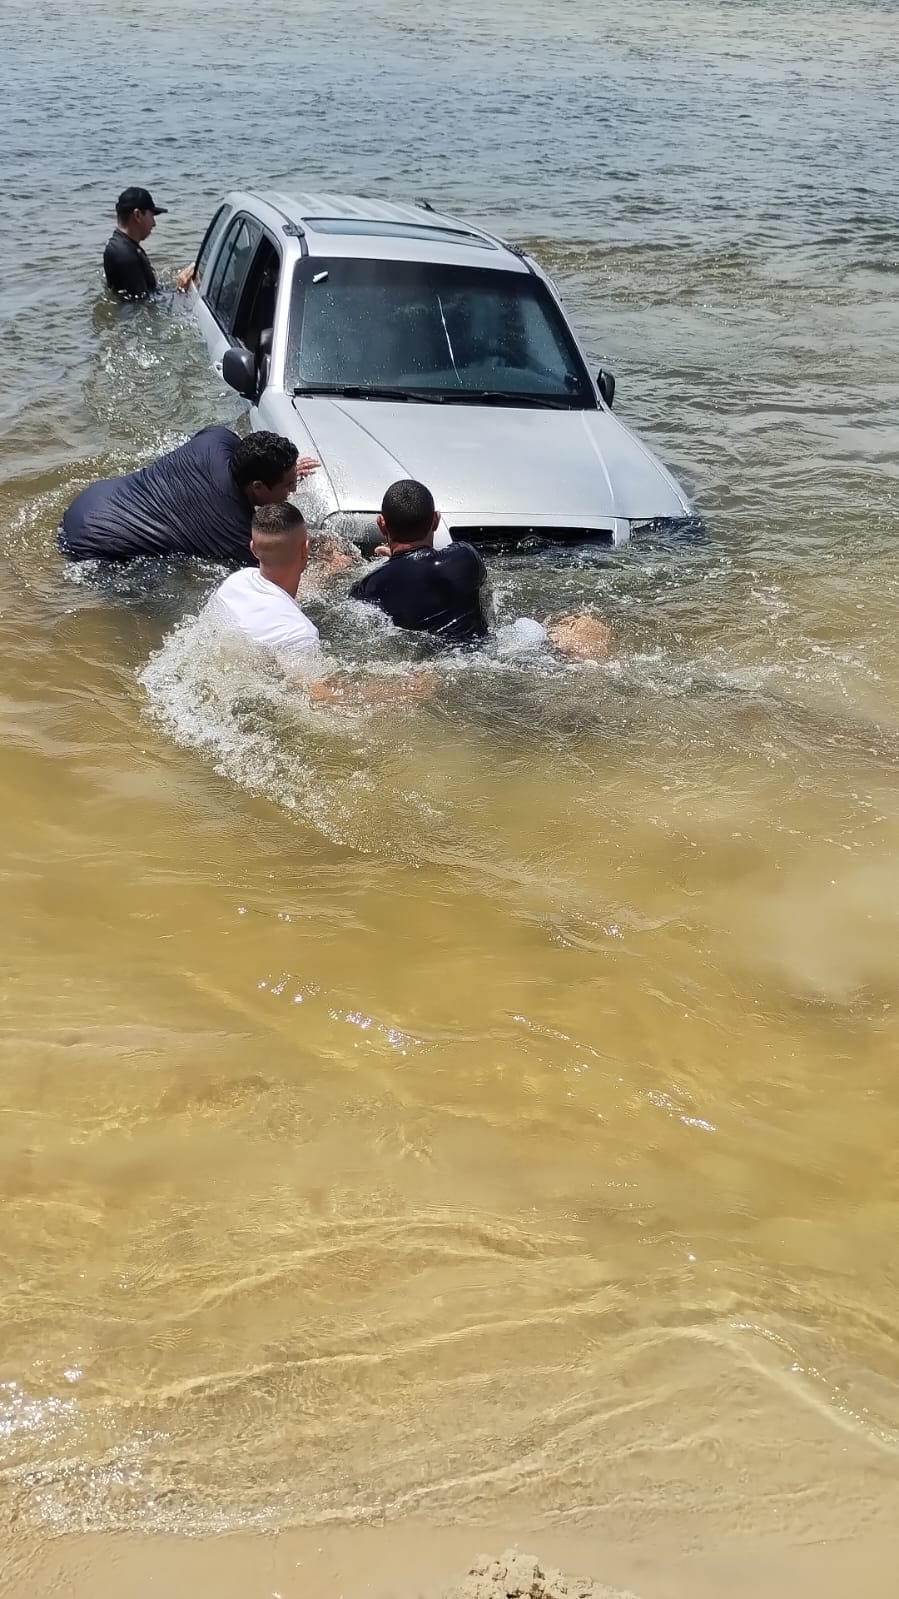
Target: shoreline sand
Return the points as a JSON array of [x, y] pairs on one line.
[[411, 1560]]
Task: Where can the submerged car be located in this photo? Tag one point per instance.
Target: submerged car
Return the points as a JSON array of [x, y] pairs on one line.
[[390, 341]]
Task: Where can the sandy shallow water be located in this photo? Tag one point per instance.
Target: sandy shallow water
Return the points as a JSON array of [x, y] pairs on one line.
[[434, 1131], [438, 1563]]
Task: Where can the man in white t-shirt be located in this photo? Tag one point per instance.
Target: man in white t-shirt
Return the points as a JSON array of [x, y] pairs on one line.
[[261, 601]]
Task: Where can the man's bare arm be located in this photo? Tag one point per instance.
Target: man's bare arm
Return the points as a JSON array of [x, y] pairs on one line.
[[366, 693]]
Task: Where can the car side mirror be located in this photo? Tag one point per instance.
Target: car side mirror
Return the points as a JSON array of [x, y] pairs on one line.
[[605, 382], [239, 372]]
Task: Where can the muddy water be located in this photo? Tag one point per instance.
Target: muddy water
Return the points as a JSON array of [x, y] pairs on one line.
[[488, 1108]]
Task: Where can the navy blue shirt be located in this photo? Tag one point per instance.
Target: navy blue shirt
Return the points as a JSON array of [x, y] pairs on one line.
[[433, 591], [127, 267], [186, 503]]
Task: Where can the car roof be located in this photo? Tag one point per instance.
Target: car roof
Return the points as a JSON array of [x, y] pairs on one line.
[[356, 225]]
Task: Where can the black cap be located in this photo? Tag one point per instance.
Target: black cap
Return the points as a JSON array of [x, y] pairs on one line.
[[138, 200]]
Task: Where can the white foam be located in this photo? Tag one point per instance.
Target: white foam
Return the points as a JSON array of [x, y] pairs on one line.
[[521, 637], [244, 708]]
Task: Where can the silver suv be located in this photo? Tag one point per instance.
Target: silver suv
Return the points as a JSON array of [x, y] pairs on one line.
[[392, 342]]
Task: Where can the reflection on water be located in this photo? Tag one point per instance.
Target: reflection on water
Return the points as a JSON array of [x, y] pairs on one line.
[[488, 1100]]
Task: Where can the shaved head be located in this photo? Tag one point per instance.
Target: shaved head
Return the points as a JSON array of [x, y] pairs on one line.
[[279, 537]]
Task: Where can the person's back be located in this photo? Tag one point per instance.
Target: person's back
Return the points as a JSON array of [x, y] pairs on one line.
[[197, 501], [263, 610], [420, 588], [431, 591]]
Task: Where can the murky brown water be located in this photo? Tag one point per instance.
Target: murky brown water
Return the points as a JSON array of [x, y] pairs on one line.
[[490, 1109]]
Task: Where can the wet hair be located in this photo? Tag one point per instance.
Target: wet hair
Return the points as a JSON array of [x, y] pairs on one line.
[[408, 511], [277, 532], [280, 518], [262, 458]]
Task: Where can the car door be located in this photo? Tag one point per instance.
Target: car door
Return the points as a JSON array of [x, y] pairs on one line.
[[208, 251], [253, 326], [221, 288], [208, 257]]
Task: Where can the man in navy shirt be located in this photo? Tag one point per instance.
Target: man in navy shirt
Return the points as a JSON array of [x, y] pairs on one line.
[[125, 261], [433, 591], [197, 500], [446, 591], [126, 265]]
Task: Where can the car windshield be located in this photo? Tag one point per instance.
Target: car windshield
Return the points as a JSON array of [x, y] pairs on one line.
[[420, 330]]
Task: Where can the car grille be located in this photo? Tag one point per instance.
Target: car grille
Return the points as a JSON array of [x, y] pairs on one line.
[[529, 537]]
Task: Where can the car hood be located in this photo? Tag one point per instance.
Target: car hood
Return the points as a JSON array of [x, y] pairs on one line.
[[580, 467]]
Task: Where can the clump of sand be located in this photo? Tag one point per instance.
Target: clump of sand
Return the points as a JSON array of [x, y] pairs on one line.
[[518, 1576]]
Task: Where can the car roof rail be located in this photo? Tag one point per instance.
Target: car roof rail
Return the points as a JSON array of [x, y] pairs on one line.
[[515, 249], [295, 230], [483, 234]]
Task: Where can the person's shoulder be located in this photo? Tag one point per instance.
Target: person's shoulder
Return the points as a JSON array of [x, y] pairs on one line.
[[237, 584], [217, 435], [462, 554], [118, 263], [212, 443], [367, 585]]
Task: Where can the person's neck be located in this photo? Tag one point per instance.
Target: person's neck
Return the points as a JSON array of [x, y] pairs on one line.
[[128, 229], [289, 581], [417, 544]]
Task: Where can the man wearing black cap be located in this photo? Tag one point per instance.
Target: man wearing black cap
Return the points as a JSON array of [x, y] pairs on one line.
[[125, 262]]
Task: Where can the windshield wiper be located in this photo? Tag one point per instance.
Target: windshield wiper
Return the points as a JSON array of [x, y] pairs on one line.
[[353, 391], [423, 396], [510, 397]]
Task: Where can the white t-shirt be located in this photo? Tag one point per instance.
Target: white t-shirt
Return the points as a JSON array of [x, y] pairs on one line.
[[265, 612]]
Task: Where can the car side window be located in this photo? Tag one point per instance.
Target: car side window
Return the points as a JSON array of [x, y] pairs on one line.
[[210, 294], [231, 268], [210, 243], [256, 312]]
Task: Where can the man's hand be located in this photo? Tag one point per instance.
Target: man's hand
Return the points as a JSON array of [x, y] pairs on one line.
[[306, 465], [185, 278], [381, 549], [581, 638]]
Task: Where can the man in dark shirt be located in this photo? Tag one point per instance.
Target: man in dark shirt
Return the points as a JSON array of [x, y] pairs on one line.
[[125, 262], [433, 591], [197, 500]]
